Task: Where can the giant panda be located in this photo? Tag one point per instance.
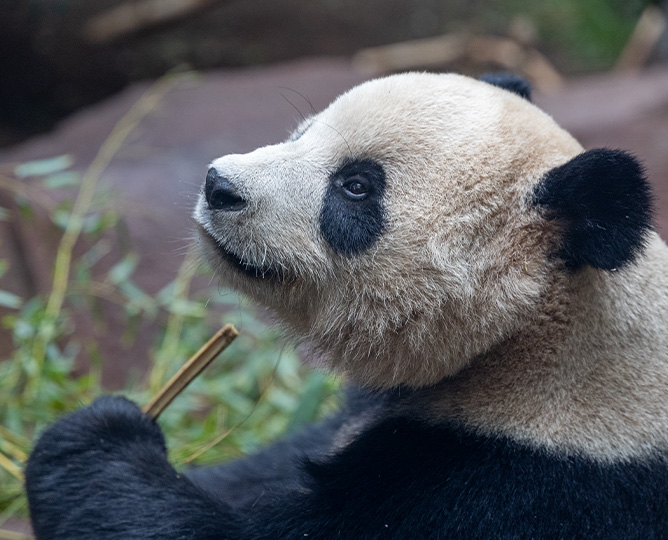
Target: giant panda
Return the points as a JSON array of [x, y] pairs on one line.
[[496, 298]]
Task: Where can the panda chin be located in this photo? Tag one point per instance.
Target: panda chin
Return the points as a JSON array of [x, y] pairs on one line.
[[247, 269]]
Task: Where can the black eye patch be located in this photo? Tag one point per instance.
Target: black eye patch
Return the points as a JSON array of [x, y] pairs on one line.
[[352, 216]]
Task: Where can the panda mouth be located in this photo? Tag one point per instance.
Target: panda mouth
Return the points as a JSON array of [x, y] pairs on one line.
[[248, 269]]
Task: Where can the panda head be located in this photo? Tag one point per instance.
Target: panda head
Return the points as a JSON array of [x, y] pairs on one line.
[[417, 222]]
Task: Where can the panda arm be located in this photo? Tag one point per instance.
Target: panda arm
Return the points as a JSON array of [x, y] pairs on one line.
[[277, 470], [102, 472]]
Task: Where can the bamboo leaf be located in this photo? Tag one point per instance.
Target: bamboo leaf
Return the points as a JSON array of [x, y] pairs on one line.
[[42, 167], [10, 300], [62, 179], [122, 270]]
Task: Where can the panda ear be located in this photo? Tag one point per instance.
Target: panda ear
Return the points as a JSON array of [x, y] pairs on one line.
[[606, 203], [510, 82]]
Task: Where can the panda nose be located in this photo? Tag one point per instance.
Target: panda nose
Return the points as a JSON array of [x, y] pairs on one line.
[[221, 194]]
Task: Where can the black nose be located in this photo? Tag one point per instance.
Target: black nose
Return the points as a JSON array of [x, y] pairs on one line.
[[221, 194]]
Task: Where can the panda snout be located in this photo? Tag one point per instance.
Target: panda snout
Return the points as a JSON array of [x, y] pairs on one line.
[[221, 194]]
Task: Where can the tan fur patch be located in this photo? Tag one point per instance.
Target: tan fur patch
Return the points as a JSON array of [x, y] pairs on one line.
[[590, 375]]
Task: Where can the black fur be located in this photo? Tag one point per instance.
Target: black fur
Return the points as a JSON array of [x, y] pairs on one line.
[[510, 82], [102, 473], [277, 470], [606, 203], [349, 226]]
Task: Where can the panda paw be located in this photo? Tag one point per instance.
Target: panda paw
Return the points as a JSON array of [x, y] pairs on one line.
[[87, 461], [107, 425]]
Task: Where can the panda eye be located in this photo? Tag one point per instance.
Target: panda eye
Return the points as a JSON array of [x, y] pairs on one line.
[[355, 188]]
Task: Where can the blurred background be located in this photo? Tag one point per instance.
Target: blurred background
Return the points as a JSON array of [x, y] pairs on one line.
[[110, 111], [60, 55]]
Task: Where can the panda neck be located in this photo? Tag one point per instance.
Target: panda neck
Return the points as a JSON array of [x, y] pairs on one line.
[[590, 376]]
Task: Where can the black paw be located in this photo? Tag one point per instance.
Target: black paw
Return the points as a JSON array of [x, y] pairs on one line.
[[104, 426], [86, 459]]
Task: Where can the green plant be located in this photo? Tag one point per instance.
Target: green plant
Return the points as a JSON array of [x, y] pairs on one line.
[[254, 392]]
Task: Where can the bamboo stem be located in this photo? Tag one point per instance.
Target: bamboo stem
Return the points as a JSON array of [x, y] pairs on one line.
[[192, 368], [6, 534], [10, 467], [61, 272]]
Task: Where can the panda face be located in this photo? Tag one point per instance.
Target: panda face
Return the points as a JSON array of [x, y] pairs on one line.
[[395, 233]]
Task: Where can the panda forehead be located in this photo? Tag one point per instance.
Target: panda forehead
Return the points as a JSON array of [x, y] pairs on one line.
[[396, 112], [456, 121], [419, 96]]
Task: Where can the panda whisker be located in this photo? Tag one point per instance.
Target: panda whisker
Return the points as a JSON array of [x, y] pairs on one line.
[[293, 105], [305, 98], [350, 152]]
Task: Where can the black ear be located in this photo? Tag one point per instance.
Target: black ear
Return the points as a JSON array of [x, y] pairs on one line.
[[510, 82], [606, 203]]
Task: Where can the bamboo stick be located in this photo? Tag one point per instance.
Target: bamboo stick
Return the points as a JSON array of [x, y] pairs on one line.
[[191, 369]]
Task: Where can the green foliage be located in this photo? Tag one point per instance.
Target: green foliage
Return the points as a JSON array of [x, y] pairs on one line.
[[254, 392], [44, 167]]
